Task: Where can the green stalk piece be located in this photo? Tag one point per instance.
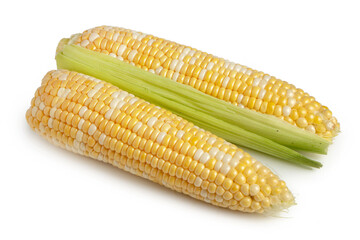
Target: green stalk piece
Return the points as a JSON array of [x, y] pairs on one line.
[[242, 127]]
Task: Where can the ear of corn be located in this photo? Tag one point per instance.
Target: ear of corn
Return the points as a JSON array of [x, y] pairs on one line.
[[96, 119], [231, 82], [265, 124], [190, 105]]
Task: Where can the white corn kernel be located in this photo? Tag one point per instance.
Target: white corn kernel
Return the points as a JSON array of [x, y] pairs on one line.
[[132, 55], [286, 111], [133, 100], [225, 82], [93, 36], [267, 77], [211, 140], [225, 169], [256, 81], [92, 92], [202, 74], [329, 125], [114, 102], [290, 93], [311, 128], [238, 155], [262, 94], [92, 129], [150, 42], [173, 64], [227, 158], [83, 109], [205, 157], [262, 83], [109, 113], [210, 65], [191, 53], [237, 67], [151, 121], [220, 155], [180, 133], [50, 122], [52, 112], [179, 66], [84, 43], [175, 76], [121, 50], [219, 198], [181, 56], [240, 97], [198, 182], [60, 92], [254, 189], [192, 60], [80, 124], [198, 154], [186, 50], [203, 193], [137, 126], [120, 104], [232, 65], [102, 139], [291, 102], [234, 162], [63, 77], [158, 70], [160, 137], [248, 72], [122, 95], [115, 36], [213, 151], [218, 165], [41, 106]]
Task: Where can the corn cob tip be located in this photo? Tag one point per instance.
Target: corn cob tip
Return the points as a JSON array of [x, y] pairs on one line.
[[66, 41], [61, 44], [96, 119]]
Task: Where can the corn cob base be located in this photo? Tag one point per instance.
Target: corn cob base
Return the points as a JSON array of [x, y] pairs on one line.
[[234, 83], [93, 118]]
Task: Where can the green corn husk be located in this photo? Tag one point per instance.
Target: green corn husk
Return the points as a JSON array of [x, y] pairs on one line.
[[243, 127]]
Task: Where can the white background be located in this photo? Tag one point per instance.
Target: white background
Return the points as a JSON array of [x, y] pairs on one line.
[[48, 193]]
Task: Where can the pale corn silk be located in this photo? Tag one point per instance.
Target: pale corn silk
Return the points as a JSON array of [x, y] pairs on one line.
[[96, 119], [234, 83]]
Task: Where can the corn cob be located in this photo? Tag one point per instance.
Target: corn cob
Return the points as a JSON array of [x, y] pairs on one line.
[[96, 119], [197, 107], [213, 114], [231, 82]]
